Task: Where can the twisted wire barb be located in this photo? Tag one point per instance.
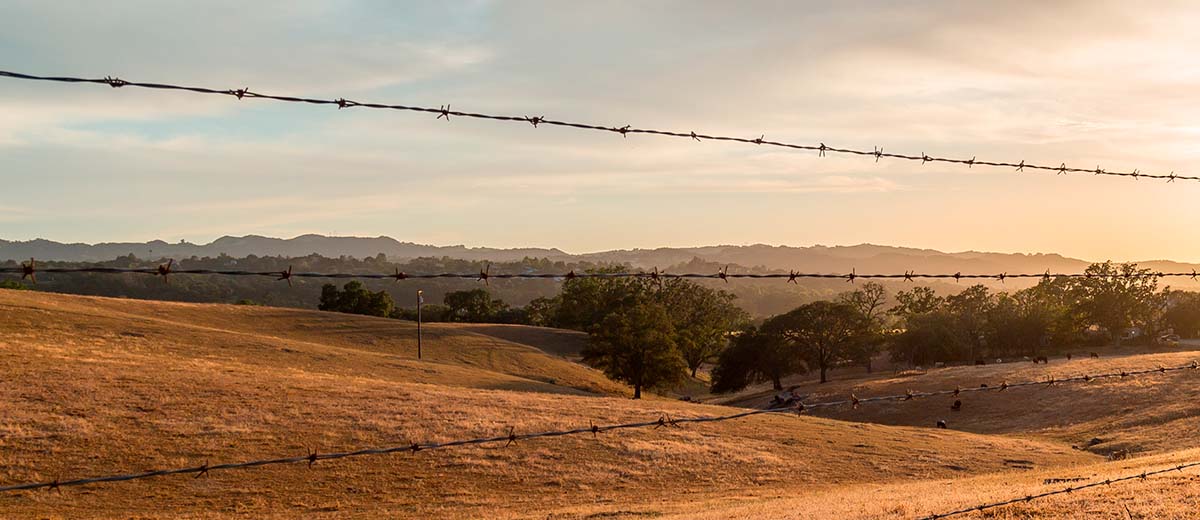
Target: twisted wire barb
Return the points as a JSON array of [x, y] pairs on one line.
[[30, 270], [1029, 498], [445, 112], [512, 437]]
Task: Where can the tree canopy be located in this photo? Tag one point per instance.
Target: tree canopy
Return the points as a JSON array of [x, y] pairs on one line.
[[636, 344], [755, 357], [824, 334], [354, 298]]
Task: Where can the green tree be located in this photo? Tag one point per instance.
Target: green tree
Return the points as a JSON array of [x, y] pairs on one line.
[[636, 344], [1182, 313], [928, 337], [584, 303], [754, 357], [869, 300], [1052, 302], [473, 306], [971, 307], [702, 319], [1116, 297], [1014, 326], [918, 301], [354, 298], [825, 334], [543, 312]]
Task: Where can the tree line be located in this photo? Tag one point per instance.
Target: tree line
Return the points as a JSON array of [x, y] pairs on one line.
[[469, 306], [652, 334], [919, 327]]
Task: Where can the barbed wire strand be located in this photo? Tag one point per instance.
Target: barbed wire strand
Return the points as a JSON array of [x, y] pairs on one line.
[[512, 437], [445, 112], [1029, 498], [30, 270]]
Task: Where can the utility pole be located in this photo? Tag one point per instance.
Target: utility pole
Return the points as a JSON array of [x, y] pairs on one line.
[[420, 300]]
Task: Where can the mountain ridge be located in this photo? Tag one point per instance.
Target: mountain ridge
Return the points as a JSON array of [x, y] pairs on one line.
[[864, 258]]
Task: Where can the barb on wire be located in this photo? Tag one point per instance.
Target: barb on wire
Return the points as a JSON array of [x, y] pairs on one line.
[[29, 270], [444, 112], [165, 269], [485, 274], [311, 455], [285, 275], [1029, 498]]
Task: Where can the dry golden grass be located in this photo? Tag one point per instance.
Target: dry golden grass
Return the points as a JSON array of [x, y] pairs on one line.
[[1169, 496], [95, 386], [283, 339], [1148, 414]]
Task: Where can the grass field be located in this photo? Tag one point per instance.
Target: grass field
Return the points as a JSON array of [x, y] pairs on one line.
[[95, 386]]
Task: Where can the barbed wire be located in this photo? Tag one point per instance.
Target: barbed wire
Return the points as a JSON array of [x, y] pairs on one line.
[[30, 270], [1029, 498], [445, 112], [512, 437], [312, 457]]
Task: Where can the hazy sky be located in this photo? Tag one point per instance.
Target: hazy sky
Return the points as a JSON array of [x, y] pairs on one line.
[[1089, 83]]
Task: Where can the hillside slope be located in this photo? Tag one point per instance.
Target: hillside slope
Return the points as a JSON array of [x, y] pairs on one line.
[[1153, 413], [97, 386], [279, 338]]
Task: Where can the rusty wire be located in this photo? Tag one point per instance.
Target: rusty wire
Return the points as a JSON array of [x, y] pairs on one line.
[[445, 112], [1029, 498], [30, 270], [512, 437]]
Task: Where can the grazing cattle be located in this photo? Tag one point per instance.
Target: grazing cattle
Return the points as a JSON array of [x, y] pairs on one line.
[[956, 406], [984, 385], [1041, 359], [1119, 455], [1095, 355], [941, 424]]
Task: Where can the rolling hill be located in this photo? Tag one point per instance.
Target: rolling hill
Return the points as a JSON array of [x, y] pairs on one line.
[[1136, 414], [98, 385]]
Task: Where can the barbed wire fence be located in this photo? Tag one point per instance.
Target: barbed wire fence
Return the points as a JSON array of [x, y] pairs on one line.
[[662, 421], [445, 112], [1066, 490], [30, 269]]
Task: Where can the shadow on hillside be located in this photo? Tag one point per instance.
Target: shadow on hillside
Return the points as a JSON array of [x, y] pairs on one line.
[[559, 342], [548, 386]]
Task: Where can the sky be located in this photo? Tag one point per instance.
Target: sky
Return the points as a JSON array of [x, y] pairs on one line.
[[1088, 83]]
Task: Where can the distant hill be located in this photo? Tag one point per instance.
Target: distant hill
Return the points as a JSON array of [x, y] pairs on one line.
[[864, 258], [333, 247]]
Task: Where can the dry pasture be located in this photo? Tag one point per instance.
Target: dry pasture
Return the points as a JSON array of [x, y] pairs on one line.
[[95, 386]]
